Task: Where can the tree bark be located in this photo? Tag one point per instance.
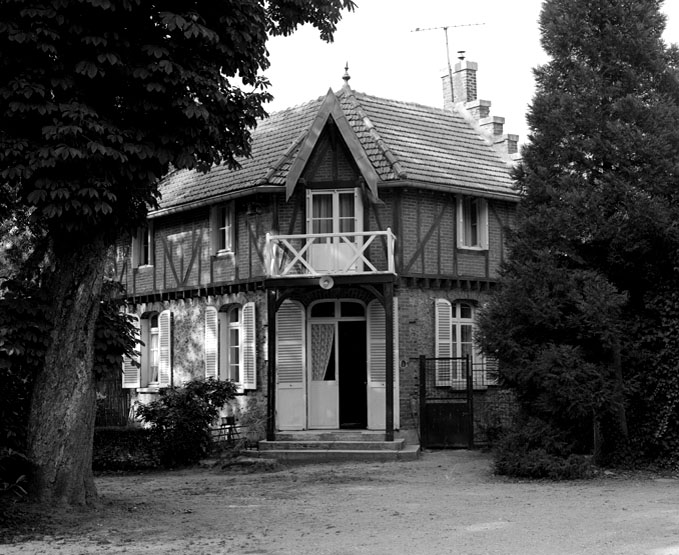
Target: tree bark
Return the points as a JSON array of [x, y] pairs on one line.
[[61, 421]]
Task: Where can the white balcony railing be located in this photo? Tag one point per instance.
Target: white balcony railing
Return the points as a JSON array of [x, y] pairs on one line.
[[317, 254]]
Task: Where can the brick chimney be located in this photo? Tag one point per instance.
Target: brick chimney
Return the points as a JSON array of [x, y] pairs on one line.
[[464, 81], [464, 90], [463, 97]]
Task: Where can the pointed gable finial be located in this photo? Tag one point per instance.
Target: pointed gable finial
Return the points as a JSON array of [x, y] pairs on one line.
[[346, 75]]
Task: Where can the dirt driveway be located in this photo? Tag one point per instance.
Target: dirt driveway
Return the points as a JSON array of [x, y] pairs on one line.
[[447, 502]]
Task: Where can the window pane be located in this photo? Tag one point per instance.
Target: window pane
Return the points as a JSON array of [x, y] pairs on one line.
[[474, 223], [346, 205], [465, 311], [234, 316], [466, 333], [323, 310], [352, 309]]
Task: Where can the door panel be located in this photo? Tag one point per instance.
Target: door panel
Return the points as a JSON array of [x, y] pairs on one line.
[[323, 386]]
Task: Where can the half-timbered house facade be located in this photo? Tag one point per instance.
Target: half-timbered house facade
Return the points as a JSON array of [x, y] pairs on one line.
[[361, 234]]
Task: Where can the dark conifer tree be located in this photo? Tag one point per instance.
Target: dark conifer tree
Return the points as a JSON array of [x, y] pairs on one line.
[[596, 235]]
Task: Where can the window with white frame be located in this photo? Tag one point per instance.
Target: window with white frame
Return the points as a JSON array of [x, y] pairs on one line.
[[237, 345], [142, 246], [153, 367], [472, 223], [454, 333], [222, 224]]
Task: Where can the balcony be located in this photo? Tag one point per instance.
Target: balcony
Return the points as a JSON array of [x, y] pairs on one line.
[[319, 254]]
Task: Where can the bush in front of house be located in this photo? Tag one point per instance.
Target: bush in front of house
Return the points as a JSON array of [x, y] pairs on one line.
[[180, 419], [534, 449]]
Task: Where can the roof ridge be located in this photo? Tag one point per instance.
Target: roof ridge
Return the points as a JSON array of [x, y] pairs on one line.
[[377, 138], [410, 103]]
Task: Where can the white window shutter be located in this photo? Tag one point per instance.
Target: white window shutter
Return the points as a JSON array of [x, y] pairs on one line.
[[483, 223], [249, 347], [214, 230], [165, 348], [459, 213], [443, 341], [211, 342], [131, 369], [135, 248], [377, 344], [290, 343]]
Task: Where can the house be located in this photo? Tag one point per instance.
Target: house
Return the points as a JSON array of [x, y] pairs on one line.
[[361, 234]]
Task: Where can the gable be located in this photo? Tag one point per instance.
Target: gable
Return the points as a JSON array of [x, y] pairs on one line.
[[331, 109], [331, 161]]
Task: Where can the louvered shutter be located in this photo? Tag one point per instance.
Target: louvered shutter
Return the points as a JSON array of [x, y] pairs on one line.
[[214, 230], [483, 223], [211, 342], [165, 348], [290, 366], [397, 370], [377, 366], [249, 347], [131, 369], [377, 344], [443, 341]]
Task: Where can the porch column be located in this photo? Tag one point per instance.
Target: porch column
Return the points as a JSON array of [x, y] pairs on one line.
[[389, 330], [271, 377]]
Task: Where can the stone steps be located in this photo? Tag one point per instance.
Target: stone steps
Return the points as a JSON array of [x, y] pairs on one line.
[[337, 445]]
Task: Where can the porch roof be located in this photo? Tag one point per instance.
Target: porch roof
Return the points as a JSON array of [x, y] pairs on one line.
[[404, 142]]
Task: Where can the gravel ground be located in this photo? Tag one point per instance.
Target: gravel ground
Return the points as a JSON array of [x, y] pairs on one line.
[[447, 502]]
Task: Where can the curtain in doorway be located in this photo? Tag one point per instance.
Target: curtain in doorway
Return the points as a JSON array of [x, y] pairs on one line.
[[322, 339]]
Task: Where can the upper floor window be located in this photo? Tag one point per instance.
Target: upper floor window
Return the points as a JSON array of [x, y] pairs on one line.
[[331, 212], [142, 246], [222, 224], [472, 223]]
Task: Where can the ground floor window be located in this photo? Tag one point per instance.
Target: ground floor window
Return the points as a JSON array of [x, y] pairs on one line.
[[230, 344], [152, 367], [454, 338]]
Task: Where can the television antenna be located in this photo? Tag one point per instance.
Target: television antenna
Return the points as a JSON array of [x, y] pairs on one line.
[[445, 31]]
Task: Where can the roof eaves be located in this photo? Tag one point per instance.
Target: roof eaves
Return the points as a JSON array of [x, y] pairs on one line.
[[215, 200], [509, 194]]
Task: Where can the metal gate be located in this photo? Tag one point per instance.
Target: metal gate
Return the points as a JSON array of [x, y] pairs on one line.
[[446, 402]]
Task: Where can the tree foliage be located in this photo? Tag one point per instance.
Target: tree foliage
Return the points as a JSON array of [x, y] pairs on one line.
[[100, 99], [596, 236]]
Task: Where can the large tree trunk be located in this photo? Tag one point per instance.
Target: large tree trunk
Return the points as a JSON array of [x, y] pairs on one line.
[[61, 422]]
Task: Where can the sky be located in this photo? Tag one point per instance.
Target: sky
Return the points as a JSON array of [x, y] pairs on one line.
[[388, 58]]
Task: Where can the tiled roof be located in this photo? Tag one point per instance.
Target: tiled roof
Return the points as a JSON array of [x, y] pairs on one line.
[[403, 141]]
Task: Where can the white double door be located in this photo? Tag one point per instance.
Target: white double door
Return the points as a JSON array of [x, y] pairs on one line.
[[331, 365], [333, 211], [338, 372]]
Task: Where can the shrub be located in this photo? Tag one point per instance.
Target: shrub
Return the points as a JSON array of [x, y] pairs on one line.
[[128, 448], [534, 449], [14, 472], [180, 420]]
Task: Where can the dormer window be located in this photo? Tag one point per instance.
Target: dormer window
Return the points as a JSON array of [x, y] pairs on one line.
[[472, 223], [222, 220]]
